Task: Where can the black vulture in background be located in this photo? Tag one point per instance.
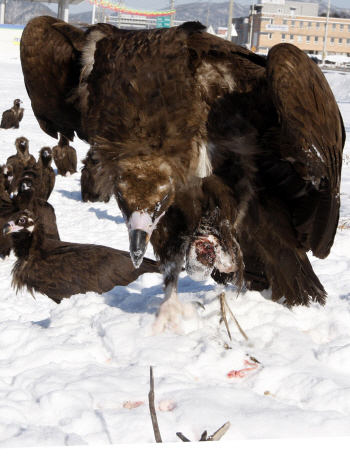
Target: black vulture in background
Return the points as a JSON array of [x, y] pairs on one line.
[[12, 117], [65, 157], [47, 173], [87, 179], [25, 199], [212, 152], [61, 269], [20, 161]]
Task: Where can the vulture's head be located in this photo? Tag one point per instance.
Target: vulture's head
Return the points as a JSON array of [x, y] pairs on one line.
[[22, 222], [25, 185], [17, 103], [45, 155], [144, 191], [22, 144]]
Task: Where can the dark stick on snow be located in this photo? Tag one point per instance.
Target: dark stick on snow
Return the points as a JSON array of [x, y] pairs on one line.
[[152, 409]]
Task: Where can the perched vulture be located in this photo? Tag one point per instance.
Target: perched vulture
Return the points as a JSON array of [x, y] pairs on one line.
[[61, 269], [25, 199], [19, 161], [47, 173], [12, 117], [214, 154], [87, 179], [65, 157]]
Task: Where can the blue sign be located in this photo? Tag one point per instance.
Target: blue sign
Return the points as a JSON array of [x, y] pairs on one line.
[[163, 21]]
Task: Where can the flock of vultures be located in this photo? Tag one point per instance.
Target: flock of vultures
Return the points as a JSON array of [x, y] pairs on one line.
[[45, 263], [227, 162]]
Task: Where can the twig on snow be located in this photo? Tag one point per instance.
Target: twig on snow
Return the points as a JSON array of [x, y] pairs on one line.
[[224, 305], [204, 438], [152, 409]]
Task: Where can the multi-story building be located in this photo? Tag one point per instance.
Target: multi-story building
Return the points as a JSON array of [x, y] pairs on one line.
[[278, 21]]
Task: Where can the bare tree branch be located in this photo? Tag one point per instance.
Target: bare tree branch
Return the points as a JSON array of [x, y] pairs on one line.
[[152, 409]]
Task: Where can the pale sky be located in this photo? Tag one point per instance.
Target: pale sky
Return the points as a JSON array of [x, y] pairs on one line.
[[160, 5]]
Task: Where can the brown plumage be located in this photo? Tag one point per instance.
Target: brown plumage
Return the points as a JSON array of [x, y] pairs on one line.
[[88, 180], [20, 161], [48, 176], [8, 177], [62, 269], [6, 208], [195, 136], [25, 199], [12, 117], [65, 157]]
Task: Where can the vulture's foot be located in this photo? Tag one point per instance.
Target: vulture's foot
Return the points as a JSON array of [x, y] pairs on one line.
[[171, 312]]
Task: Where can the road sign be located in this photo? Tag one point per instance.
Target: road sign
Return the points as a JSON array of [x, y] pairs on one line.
[[163, 21]]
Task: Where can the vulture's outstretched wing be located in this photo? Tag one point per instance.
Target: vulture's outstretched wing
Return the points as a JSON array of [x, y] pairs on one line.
[[312, 139], [51, 69]]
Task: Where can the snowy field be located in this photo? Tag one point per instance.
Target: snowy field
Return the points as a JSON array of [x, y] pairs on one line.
[[77, 373]]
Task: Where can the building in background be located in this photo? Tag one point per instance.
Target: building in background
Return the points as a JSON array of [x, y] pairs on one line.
[[280, 21]]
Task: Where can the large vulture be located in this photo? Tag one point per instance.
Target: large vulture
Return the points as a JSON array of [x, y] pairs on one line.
[[61, 269], [213, 152]]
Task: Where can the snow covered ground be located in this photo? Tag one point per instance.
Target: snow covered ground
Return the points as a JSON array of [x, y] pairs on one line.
[[78, 372]]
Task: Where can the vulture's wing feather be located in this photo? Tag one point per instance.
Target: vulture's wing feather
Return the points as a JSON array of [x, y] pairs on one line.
[[312, 138], [51, 70], [64, 269]]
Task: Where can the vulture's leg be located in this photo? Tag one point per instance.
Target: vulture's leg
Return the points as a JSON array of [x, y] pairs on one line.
[[171, 310]]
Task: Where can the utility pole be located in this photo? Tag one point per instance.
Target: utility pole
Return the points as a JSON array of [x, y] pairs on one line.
[[230, 14], [251, 28], [93, 13], [171, 16], [326, 33]]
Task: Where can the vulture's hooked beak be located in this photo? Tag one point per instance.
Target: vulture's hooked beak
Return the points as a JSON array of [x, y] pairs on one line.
[[140, 226], [10, 227]]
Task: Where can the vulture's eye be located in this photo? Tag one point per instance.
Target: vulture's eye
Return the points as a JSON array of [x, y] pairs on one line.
[[22, 220]]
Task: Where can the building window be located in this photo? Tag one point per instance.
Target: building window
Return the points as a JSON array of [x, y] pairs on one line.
[[283, 37], [340, 42], [332, 41], [280, 10], [309, 25], [334, 27], [341, 27], [292, 24], [308, 39], [317, 26], [349, 28], [291, 38], [299, 38], [271, 21], [270, 36], [292, 11], [348, 42], [316, 40], [284, 22], [301, 24]]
